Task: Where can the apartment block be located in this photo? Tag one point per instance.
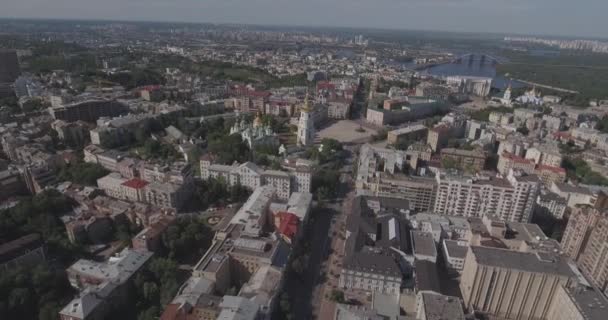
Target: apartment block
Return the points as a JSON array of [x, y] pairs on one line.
[[510, 199], [508, 161], [469, 160], [593, 260], [88, 111], [103, 285], [409, 133], [419, 191]]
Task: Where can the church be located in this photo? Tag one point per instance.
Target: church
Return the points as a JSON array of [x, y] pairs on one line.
[[255, 134], [306, 127]]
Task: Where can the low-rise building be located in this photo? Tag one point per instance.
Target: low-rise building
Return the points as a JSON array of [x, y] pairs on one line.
[[434, 306], [104, 285], [410, 133], [371, 272], [25, 251]]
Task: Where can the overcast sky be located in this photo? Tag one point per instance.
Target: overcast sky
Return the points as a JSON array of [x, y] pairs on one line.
[[557, 17]]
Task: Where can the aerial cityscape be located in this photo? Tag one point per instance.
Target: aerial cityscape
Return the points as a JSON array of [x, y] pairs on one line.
[[198, 171]]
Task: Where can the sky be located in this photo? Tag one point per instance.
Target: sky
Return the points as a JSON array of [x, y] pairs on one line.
[[585, 18]]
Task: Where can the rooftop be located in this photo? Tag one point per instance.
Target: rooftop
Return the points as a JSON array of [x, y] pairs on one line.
[[523, 261], [590, 303], [456, 249], [424, 244], [135, 183], [440, 307], [372, 263]]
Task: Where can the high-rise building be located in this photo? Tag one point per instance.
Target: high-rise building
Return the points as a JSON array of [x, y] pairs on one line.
[[511, 284], [578, 303], [594, 257], [306, 127], [510, 199], [582, 220], [9, 66]]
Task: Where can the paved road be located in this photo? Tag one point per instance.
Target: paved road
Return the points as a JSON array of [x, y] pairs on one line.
[[300, 289], [324, 307]]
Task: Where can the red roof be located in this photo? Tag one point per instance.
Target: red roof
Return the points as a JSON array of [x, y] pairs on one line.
[[543, 167], [515, 158], [289, 224], [135, 183], [325, 85]]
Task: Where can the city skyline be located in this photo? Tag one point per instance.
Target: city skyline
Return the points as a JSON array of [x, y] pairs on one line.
[[514, 17]]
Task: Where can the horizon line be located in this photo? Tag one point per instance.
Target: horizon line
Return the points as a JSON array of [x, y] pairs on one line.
[[502, 33]]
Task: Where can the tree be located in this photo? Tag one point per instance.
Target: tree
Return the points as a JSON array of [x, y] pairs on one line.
[[83, 173], [337, 296], [229, 149]]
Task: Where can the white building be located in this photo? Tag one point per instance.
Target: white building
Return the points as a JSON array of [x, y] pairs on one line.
[[306, 127], [454, 253], [510, 199], [251, 176]]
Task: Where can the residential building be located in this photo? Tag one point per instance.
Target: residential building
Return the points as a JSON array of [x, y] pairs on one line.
[[167, 195], [438, 137], [593, 260], [551, 204], [409, 133], [545, 155], [26, 251], [149, 238], [104, 285], [454, 253], [512, 284], [469, 160], [419, 191], [549, 175], [418, 155], [574, 194], [583, 219], [578, 304], [72, 134], [510, 199], [88, 111], [508, 161]]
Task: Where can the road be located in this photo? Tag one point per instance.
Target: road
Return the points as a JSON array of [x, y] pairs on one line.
[[325, 307], [307, 291]]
